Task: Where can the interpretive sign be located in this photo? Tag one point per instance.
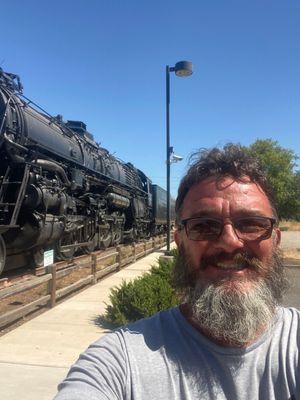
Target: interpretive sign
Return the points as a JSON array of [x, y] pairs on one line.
[[48, 257]]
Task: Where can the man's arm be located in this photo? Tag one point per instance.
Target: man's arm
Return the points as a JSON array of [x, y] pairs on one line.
[[99, 374]]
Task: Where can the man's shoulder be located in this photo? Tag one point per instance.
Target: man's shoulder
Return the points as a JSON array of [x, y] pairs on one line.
[[157, 322], [288, 322], [137, 337], [290, 314]]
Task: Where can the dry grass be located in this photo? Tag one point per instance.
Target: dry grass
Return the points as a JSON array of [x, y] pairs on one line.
[[292, 254], [289, 225]]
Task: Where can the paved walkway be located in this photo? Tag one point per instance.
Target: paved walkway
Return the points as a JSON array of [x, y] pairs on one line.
[[36, 356]]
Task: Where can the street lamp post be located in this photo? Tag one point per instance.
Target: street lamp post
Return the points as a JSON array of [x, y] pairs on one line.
[[181, 69]]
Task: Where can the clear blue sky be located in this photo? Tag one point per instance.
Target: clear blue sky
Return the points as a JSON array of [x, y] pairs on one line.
[[103, 62]]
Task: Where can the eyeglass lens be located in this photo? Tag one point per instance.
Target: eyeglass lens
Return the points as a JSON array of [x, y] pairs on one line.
[[248, 228]]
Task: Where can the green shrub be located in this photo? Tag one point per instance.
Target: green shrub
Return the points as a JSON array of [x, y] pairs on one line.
[[142, 297], [284, 228]]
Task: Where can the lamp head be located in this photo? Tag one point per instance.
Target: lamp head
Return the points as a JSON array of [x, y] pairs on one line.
[[183, 68]]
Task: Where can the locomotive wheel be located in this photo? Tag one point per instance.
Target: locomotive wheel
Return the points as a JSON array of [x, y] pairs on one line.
[[117, 237], [38, 258], [62, 253], [92, 246], [105, 239], [2, 254], [135, 235]]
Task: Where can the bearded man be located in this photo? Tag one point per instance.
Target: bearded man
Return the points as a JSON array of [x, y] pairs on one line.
[[229, 339]]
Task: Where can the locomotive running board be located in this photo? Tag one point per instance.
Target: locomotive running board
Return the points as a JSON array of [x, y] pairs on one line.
[[71, 246]]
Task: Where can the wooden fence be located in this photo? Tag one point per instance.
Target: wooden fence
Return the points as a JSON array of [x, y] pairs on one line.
[[97, 265]]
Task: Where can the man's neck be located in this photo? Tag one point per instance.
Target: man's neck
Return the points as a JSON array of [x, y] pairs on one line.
[[186, 311]]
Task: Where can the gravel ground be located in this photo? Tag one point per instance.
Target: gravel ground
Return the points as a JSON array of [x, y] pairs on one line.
[[290, 240], [292, 298]]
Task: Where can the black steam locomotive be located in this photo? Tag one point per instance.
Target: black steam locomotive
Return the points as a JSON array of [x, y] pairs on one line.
[[60, 190]]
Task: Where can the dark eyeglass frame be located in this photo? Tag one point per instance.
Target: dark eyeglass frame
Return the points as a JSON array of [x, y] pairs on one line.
[[231, 221]]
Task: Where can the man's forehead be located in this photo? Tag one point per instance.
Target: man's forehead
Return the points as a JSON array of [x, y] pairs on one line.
[[233, 190], [213, 184]]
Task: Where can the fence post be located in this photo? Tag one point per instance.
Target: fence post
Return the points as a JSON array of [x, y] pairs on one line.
[[52, 286], [134, 252], [94, 267], [145, 247], [118, 258]]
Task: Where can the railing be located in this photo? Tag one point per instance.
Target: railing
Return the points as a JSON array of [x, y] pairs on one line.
[[84, 270]]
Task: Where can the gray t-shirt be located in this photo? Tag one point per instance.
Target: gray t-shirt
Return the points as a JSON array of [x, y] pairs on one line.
[[164, 357]]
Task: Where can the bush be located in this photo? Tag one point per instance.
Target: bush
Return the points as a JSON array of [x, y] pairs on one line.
[[142, 297]]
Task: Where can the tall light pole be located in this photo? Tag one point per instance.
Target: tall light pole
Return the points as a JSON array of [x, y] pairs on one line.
[[181, 69]]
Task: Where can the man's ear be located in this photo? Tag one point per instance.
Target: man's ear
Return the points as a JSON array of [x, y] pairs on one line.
[[177, 237], [277, 237]]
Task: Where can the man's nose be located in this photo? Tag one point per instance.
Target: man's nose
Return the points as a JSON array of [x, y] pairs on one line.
[[228, 240]]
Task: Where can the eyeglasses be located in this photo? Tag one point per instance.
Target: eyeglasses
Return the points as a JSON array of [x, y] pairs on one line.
[[246, 228]]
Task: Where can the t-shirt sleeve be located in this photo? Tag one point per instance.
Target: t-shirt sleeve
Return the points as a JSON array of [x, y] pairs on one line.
[[100, 372]]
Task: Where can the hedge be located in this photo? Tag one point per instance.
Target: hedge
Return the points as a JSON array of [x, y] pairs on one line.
[[142, 297]]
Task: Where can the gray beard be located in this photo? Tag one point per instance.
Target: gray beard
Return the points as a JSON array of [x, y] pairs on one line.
[[228, 312]]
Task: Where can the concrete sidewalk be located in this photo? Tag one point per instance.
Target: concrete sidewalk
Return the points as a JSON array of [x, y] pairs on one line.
[[36, 356]]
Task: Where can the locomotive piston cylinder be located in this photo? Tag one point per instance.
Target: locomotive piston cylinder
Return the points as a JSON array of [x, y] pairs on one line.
[[37, 196], [36, 231], [118, 201]]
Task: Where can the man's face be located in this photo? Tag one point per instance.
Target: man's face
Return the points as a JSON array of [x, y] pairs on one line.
[[226, 198]]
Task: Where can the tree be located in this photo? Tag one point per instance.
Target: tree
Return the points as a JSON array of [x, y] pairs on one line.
[[297, 195], [279, 164]]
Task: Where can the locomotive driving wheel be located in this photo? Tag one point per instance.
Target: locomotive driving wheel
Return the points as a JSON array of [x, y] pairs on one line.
[[117, 236], [105, 238], [93, 243], [37, 258], [2, 254], [66, 246]]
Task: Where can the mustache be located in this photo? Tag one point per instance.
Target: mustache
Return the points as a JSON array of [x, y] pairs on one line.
[[185, 273], [237, 257]]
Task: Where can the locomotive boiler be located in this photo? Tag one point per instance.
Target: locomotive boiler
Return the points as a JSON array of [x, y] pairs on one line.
[[60, 190]]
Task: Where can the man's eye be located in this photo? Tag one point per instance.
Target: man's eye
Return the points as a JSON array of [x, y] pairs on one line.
[[205, 226], [252, 224], [200, 227]]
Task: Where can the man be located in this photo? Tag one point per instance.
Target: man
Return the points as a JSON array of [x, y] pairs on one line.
[[229, 339]]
